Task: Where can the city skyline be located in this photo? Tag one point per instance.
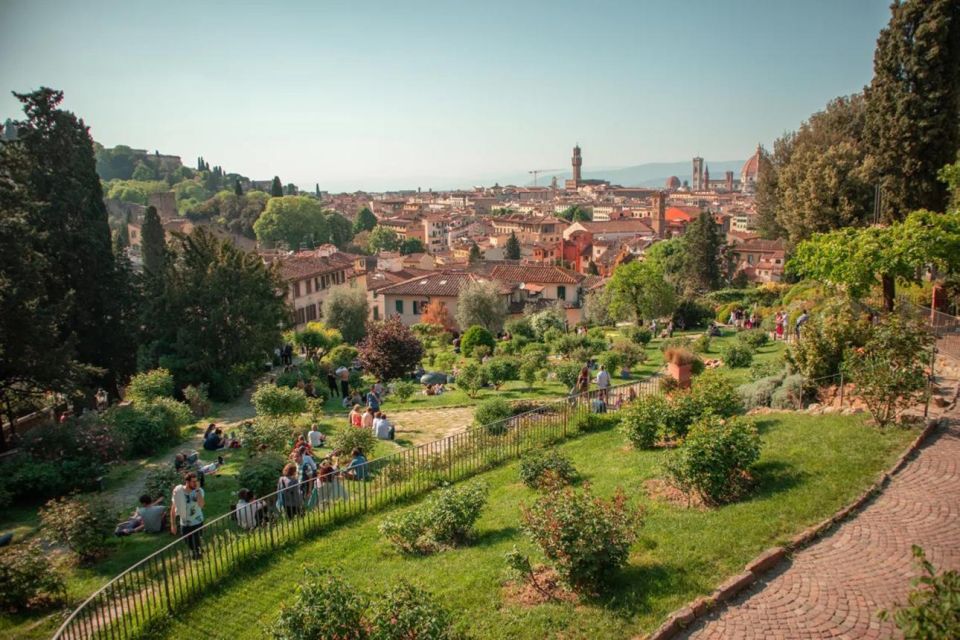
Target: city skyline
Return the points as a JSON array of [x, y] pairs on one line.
[[430, 96]]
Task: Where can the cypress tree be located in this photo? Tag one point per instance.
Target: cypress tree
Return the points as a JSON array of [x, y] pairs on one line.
[[913, 111], [237, 189], [56, 155], [703, 243], [365, 221], [513, 247], [153, 243], [475, 255], [317, 187], [276, 188]]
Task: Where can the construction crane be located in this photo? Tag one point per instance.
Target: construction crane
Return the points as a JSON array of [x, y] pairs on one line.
[[537, 172]]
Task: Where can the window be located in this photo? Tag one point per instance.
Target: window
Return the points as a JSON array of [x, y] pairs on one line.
[[319, 309], [399, 306], [561, 292], [376, 313], [311, 312], [307, 284], [296, 289], [300, 316], [415, 310]]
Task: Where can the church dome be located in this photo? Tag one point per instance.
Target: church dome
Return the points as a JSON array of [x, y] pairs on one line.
[[751, 166], [673, 182]]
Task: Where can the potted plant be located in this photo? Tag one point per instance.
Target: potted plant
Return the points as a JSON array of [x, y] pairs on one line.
[[680, 365]]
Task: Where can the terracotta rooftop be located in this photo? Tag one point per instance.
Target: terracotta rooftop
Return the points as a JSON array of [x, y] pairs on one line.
[[622, 225], [307, 264], [438, 283], [535, 273], [760, 246]]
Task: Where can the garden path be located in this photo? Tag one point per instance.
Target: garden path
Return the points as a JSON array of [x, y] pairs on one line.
[[836, 587], [418, 426]]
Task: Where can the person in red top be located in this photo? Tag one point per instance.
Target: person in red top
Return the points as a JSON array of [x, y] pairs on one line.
[[301, 443], [356, 416]]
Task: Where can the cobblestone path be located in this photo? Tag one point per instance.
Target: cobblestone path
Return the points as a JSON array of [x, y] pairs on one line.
[[834, 588]]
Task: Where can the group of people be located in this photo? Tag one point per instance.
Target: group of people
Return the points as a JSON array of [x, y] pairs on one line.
[[372, 419], [743, 320]]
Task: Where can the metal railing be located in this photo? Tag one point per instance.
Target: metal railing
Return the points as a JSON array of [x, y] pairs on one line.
[[157, 586]]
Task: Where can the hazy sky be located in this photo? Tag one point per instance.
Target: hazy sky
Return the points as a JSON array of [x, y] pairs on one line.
[[406, 93]]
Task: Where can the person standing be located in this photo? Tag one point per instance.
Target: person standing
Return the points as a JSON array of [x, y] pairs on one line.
[[291, 498], [188, 503], [583, 380], [343, 374], [603, 382], [332, 383], [802, 320]]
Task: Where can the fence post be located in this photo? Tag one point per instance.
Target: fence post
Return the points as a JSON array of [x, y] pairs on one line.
[[933, 361], [841, 389], [166, 583]]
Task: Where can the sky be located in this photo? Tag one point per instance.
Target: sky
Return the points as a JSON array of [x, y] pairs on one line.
[[407, 94]]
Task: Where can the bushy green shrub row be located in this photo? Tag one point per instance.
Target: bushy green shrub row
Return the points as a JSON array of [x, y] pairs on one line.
[[326, 606], [445, 518], [546, 466]]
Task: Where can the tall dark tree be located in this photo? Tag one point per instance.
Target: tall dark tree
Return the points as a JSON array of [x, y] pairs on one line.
[[411, 245], [475, 255], [365, 220], [219, 314], [512, 250], [702, 263], [767, 198], [913, 112], [237, 189], [316, 188], [153, 243], [34, 356], [276, 188], [55, 164]]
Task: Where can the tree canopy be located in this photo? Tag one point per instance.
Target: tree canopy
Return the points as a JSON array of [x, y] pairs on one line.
[[481, 303], [383, 239], [365, 220], [639, 291], [512, 249], [346, 310], [301, 221]]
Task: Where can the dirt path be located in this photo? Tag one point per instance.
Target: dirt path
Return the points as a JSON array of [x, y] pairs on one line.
[[835, 587], [425, 425]]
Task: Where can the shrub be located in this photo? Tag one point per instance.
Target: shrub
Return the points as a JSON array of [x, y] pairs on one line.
[[611, 360], [824, 338], [198, 399], [325, 606], [567, 373], [27, 577], [758, 393], [444, 519], [520, 328], [404, 389], [889, 370], [471, 378], [715, 393], [272, 401], [341, 356], [390, 350], [499, 370], [715, 458], [790, 393], [737, 355], [592, 422], [679, 356], [528, 372], [701, 344], [630, 354], [405, 612], [161, 481], [680, 342], [474, 337], [668, 384], [690, 313], [647, 420], [567, 343], [584, 537], [82, 525], [535, 349], [932, 611], [260, 472], [767, 368], [149, 386], [638, 335], [537, 464], [350, 438], [546, 320], [149, 426], [754, 338], [724, 310], [491, 413], [445, 360]]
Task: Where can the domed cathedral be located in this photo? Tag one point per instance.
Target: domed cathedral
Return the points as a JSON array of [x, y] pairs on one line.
[[750, 172]]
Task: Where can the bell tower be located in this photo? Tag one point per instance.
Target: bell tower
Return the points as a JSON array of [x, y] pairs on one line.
[[577, 162]]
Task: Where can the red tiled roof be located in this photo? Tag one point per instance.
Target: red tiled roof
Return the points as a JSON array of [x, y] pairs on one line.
[[307, 265], [439, 283], [676, 214], [535, 273], [621, 225]]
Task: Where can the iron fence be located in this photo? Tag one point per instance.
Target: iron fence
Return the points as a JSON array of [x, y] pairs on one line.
[[157, 586]]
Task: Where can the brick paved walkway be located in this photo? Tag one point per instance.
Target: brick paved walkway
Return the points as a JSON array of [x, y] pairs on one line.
[[834, 588]]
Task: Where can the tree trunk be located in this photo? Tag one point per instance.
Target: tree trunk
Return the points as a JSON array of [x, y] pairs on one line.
[[889, 291]]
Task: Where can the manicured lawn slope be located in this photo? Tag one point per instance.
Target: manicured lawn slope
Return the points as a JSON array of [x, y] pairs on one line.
[[811, 465]]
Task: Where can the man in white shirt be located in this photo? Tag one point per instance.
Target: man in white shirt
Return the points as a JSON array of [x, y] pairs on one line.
[[603, 382], [315, 438], [188, 501], [343, 375]]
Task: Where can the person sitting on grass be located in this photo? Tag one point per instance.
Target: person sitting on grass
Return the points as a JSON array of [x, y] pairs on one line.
[[214, 440], [213, 468], [382, 427], [301, 443], [248, 512], [368, 417], [147, 517], [314, 438], [357, 469], [356, 416]]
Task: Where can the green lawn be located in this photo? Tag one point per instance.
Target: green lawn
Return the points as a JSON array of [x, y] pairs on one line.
[[810, 466]]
